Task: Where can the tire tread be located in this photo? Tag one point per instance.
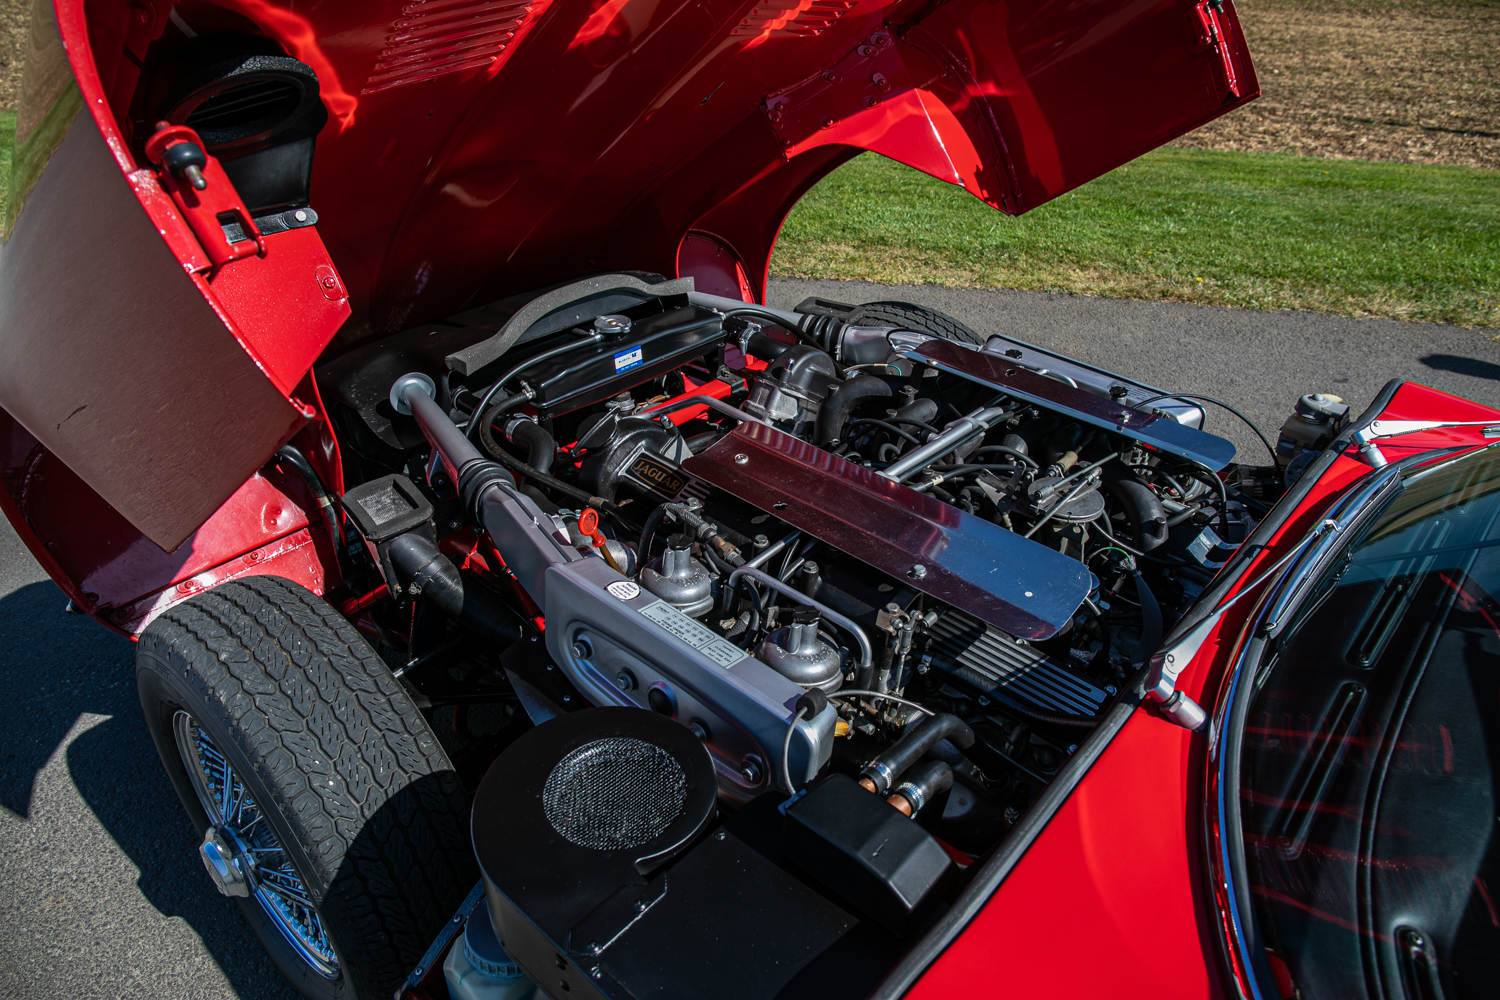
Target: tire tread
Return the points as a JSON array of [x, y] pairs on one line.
[[910, 316], [336, 739]]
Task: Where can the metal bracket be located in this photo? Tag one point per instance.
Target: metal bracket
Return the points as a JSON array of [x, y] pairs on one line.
[[204, 195]]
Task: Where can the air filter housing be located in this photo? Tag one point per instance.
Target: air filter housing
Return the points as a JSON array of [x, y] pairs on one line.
[[607, 878]]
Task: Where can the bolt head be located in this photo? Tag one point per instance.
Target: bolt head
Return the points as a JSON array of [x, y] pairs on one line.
[[741, 459]]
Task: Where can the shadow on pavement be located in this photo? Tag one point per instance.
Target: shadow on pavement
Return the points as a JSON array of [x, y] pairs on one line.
[[1460, 365], [56, 667]]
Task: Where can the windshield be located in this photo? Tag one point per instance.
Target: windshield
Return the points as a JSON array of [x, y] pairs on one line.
[[1368, 756]]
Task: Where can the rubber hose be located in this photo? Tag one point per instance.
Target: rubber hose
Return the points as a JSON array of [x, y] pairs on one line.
[[883, 771], [541, 449], [293, 456], [924, 783], [765, 347], [1143, 509], [701, 442], [1150, 618], [952, 756], [1018, 453], [837, 407], [1017, 445], [648, 532], [925, 410], [427, 573]]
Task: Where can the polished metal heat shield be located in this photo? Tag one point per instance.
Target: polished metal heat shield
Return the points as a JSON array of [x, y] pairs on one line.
[[995, 575], [1160, 433]]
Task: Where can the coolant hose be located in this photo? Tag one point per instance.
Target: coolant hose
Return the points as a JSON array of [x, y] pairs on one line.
[[1143, 509], [921, 785], [541, 449], [836, 408], [923, 409], [424, 571], [327, 506], [881, 773], [1150, 617]]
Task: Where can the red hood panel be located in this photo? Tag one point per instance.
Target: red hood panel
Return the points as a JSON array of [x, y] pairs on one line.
[[479, 147]]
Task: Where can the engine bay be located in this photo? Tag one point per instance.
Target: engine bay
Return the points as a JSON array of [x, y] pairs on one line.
[[878, 576]]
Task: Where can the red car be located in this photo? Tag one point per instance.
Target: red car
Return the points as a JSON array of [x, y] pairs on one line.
[[521, 604]]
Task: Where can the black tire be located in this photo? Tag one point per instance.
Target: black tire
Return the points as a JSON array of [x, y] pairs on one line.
[[920, 319], [335, 758]]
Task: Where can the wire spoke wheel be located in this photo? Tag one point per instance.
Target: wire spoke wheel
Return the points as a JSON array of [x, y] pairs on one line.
[[324, 805], [236, 822]]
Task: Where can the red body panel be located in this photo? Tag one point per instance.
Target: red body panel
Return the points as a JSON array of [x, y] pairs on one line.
[[111, 570], [162, 381]]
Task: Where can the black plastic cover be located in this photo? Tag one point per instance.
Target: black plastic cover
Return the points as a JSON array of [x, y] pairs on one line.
[[720, 918], [876, 859], [654, 346]]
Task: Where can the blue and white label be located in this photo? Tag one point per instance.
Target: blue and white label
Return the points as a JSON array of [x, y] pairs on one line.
[[626, 360]]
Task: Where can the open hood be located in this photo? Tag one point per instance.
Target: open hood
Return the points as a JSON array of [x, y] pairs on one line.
[[476, 148], [465, 150]]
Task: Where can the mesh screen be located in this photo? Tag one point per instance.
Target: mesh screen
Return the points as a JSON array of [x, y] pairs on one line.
[[615, 793]]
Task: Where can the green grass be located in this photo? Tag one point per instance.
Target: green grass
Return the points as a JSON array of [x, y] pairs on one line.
[[7, 140], [1256, 230]]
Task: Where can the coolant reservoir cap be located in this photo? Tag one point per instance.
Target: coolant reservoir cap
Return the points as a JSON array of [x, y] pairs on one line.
[[612, 325], [482, 947], [1320, 407]]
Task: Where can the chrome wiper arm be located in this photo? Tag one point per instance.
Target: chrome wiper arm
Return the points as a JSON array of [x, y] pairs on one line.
[[1169, 661]]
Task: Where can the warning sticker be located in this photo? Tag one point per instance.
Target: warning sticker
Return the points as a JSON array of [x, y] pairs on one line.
[[626, 360], [721, 651]]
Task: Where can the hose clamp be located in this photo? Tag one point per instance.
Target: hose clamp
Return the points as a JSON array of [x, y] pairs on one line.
[[515, 422], [913, 794], [881, 773]]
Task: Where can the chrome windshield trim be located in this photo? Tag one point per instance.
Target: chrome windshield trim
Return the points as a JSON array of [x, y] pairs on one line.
[[1366, 498]]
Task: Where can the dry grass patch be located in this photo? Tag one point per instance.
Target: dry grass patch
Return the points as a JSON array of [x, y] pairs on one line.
[[1415, 82]]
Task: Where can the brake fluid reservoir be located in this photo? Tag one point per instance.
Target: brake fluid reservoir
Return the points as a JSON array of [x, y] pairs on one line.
[[478, 968], [1315, 421]]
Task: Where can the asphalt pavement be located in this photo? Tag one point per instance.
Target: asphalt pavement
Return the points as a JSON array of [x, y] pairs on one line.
[[101, 891]]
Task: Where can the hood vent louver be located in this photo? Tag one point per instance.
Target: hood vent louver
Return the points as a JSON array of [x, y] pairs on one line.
[[792, 18], [432, 38]]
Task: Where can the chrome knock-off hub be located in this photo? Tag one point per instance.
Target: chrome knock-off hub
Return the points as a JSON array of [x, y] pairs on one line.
[[227, 864]]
